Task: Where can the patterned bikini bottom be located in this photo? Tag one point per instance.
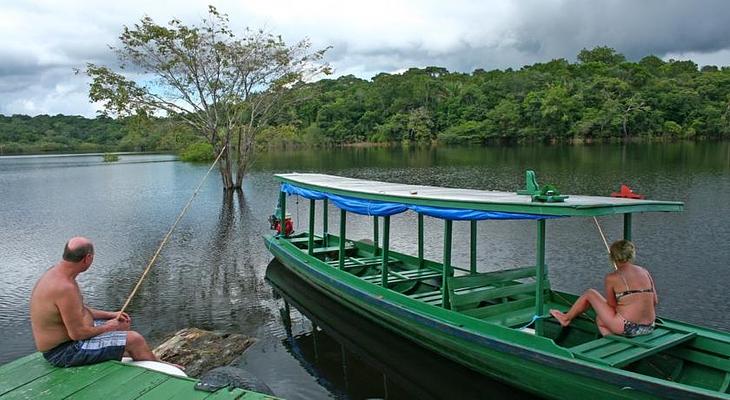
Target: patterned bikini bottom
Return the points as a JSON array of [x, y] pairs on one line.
[[632, 329]]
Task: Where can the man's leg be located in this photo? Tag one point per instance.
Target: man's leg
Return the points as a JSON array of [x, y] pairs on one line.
[[137, 348]]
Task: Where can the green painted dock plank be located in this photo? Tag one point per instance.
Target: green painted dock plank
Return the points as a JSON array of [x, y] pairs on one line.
[[114, 386], [139, 385], [178, 389], [31, 377], [61, 383], [21, 361], [23, 373], [225, 394]]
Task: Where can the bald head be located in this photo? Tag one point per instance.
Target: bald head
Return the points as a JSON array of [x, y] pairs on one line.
[[77, 248]]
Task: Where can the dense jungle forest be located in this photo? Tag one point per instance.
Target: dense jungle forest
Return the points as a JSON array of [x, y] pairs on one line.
[[601, 96]]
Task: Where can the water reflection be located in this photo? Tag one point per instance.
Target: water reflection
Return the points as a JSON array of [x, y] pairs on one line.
[[356, 359]]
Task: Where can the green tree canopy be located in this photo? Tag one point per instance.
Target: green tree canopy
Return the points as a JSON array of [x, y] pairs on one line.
[[223, 85]]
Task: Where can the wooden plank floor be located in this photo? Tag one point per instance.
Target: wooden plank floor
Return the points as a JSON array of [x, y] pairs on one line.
[[31, 377]]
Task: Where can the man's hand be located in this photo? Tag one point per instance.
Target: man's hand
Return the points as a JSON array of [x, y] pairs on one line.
[[123, 317], [117, 325]]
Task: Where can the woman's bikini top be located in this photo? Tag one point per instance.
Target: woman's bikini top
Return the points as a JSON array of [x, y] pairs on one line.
[[628, 291]]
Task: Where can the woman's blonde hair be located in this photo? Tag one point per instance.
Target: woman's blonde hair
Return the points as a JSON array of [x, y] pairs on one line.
[[622, 251]]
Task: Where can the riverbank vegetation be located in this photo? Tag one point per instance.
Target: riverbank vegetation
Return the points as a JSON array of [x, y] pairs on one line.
[[601, 96]]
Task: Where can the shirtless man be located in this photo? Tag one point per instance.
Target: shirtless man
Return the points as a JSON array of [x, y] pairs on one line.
[[68, 332]]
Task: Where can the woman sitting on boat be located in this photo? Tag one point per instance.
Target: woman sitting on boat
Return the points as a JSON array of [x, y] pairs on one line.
[[630, 307]]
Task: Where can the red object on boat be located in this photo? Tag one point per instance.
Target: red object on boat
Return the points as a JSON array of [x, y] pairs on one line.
[[627, 193], [289, 226]]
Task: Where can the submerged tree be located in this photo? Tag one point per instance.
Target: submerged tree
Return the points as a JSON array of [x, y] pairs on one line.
[[225, 86]]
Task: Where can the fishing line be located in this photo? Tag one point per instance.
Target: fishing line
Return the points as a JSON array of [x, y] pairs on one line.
[[604, 241], [169, 233]]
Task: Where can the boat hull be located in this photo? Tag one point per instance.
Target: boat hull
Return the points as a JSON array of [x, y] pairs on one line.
[[525, 361]]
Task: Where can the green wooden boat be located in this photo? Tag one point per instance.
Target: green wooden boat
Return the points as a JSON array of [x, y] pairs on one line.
[[493, 322]]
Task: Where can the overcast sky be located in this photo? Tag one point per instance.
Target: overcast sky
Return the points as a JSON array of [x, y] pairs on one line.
[[42, 41]]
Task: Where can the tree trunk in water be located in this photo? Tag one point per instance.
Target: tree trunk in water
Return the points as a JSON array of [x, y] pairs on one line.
[[245, 152], [224, 166]]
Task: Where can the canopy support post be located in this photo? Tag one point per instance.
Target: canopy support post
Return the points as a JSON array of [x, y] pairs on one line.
[[282, 205], [343, 223], [627, 226], [376, 231], [447, 271], [386, 251], [325, 213], [310, 242], [420, 240], [473, 247], [541, 276]]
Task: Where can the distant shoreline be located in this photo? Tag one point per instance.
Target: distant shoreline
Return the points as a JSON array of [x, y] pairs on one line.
[[365, 145]]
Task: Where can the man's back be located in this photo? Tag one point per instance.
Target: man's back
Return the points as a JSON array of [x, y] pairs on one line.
[[48, 327]]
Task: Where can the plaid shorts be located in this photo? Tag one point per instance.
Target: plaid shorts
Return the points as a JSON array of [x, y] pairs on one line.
[[104, 347]]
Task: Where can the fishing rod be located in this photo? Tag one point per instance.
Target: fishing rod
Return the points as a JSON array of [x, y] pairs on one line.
[[169, 233], [604, 241]]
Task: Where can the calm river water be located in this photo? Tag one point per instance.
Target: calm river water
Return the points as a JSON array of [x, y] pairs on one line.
[[212, 272]]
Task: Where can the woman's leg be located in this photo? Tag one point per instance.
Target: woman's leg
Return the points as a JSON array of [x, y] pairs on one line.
[[602, 327], [606, 318]]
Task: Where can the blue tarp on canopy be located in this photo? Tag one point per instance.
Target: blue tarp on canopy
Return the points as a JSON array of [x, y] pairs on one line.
[[381, 208]]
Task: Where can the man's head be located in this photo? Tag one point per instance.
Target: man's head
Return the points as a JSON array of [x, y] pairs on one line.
[[79, 250]]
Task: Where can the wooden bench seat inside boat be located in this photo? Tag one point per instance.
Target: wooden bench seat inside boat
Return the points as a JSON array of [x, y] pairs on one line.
[[432, 297], [404, 276], [468, 292], [619, 351], [357, 262], [488, 294], [331, 249], [304, 239]]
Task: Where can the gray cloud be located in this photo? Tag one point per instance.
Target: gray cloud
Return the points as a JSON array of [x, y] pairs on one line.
[[635, 28], [538, 31], [41, 43]]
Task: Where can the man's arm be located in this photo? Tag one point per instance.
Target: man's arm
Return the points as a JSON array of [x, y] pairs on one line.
[[100, 314], [71, 308]]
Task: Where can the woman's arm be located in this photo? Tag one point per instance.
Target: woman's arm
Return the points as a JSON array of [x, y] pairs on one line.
[[608, 288], [656, 298]]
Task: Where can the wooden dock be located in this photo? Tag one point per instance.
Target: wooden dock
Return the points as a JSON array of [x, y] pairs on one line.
[[31, 377]]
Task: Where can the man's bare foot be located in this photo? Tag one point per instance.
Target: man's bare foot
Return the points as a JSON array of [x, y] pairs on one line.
[[561, 317]]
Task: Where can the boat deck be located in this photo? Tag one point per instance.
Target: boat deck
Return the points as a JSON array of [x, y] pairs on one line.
[[31, 377]]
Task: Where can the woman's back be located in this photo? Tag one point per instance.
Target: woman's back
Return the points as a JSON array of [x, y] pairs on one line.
[[635, 294]]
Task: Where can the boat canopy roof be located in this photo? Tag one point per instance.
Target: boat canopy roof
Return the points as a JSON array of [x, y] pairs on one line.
[[320, 186]]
